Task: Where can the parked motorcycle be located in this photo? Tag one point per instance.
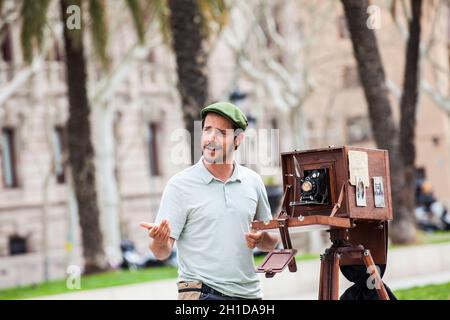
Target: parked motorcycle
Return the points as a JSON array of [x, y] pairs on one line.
[[431, 214], [433, 217], [132, 260]]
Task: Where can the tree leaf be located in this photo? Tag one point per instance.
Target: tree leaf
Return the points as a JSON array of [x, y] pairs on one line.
[[34, 19], [215, 15], [138, 18], [99, 30]]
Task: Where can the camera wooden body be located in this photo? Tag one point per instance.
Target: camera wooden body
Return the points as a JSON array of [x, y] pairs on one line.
[[346, 189], [341, 167]]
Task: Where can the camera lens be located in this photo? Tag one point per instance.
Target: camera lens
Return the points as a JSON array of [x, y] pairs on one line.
[[307, 186], [314, 187]]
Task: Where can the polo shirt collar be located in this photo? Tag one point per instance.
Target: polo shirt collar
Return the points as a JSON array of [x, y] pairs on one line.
[[207, 176]]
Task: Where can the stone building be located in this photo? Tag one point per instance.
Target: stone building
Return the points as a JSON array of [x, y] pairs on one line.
[[137, 124]]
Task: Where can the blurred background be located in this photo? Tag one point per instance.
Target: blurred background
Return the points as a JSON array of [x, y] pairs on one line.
[[96, 98]]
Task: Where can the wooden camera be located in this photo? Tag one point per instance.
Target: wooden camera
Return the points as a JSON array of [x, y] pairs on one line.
[[344, 188], [349, 182]]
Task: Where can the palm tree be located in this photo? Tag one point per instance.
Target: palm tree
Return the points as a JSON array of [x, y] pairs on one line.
[[408, 108], [187, 42], [81, 152], [186, 25], [400, 143], [80, 147], [189, 22]]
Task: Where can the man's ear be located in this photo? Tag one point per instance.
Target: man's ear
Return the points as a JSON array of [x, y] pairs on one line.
[[238, 139]]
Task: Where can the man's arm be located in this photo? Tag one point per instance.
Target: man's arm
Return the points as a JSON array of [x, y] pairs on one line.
[[262, 240], [162, 250], [162, 243]]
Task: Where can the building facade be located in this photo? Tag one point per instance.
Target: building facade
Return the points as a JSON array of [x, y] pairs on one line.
[[137, 127]]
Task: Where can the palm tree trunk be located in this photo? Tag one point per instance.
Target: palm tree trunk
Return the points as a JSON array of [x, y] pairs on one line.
[[187, 42], [81, 153], [371, 73], [408, 107]]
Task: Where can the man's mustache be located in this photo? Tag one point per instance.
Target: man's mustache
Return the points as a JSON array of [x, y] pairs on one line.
[[212, 146]]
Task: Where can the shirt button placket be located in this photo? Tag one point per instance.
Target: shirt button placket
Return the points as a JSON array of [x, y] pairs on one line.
[[225, 194]]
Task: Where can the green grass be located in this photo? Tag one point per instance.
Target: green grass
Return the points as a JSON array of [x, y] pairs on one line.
[[429, 292], [119, 278], [427, 238], [109, 279], [434, 237]]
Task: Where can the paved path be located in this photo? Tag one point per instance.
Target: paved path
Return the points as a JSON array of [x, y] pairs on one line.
[[407, 267]]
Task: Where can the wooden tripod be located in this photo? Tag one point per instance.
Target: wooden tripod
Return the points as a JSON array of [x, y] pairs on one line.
[[329, 270]]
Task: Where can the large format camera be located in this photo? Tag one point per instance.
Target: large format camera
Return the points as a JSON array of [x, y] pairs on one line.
[[346, 190], [314, 187]]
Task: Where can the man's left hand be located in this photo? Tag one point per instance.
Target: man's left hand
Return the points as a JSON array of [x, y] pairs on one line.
[[253, 238]]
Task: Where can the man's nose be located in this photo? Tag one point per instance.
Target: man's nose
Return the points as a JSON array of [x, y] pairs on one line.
[[211, 136]]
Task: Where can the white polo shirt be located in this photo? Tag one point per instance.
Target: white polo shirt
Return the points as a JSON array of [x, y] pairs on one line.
[[209, 219]]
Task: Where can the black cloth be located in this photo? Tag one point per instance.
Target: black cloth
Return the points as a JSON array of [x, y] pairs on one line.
[[360, 290]]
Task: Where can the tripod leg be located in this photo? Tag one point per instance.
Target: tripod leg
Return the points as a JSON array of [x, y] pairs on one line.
[[329, 276], [287, 244], [292, 265], [372, 269], [322, 278], [325, 283], [334, 276]]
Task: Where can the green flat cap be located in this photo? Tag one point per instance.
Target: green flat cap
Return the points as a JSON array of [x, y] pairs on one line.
[[229, 111]]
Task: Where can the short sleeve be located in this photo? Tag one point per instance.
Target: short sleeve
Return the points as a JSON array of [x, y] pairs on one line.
[[263, 211], [171, 208]]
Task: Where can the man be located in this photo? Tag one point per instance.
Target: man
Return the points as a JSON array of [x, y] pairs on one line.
[[208, 208]]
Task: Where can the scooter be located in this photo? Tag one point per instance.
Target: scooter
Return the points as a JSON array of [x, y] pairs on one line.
[[433, 217], [132, 260]]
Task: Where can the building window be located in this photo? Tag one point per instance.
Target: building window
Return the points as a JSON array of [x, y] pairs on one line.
[[57, 52], [17, 245], [350, 77], [274, 123], [152, 140], [420, 173], [358, 129], [9, 159], [60, 153], [274, 141], [436, 140], [151, 57], [342, 28], [6, 46]]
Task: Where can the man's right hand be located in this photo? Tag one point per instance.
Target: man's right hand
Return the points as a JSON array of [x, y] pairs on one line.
[[162, 244], [159, 233]]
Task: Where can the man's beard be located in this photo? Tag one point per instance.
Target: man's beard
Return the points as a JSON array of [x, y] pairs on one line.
[[220, 156]]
